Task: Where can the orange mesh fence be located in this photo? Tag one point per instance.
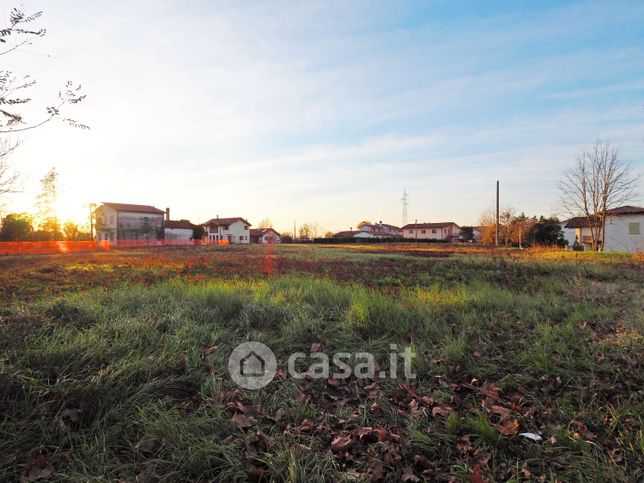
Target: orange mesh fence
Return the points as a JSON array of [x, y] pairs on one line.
[[51, 247], [45, 247]]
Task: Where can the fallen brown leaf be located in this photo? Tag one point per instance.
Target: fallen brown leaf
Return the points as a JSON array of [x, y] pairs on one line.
[[242, 421], [341, 443], [442, 410], [509, 427]]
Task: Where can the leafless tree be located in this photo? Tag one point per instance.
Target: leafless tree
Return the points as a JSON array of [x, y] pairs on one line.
[[599, 181], [265, 223], [14, 88], [8, 177]]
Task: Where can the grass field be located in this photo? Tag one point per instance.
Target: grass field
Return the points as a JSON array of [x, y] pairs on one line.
[[113, 365]]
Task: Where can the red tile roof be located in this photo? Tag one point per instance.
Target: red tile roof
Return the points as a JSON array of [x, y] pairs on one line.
[[626, 210], [262, 231], [225, 221], [133, 208], [345, 234], [582, 221], [577, 222], [179, 224], [429, 225]]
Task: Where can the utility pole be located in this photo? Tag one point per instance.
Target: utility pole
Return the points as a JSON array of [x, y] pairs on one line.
[[294, 230], [416, 230], [91, 220], [496, 238]]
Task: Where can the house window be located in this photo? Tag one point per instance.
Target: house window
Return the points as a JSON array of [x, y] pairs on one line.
[[422, 231], [433, 231], [633, 228], [411, 231]]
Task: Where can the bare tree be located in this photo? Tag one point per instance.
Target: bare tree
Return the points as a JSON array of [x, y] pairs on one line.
[[8, 177], [305, 232], [599, 181], [487, 227], [13, 87], [265, 223]]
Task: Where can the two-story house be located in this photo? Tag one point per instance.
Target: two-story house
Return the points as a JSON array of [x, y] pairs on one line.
[[234, 230], [448, 231], [122, 221], [624, 230], [381, 230]]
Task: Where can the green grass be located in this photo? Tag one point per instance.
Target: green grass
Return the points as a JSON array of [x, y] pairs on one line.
[[128, 380]]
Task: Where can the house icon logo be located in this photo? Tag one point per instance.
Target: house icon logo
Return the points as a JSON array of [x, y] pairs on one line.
[[252, 365]]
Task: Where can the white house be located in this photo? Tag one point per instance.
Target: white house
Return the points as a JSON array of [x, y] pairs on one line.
[[265, 235], [233, 230], [381, 230], [354, 234], [178, 230], [448, 231], [122, 221], [624, 230], [570, 234]]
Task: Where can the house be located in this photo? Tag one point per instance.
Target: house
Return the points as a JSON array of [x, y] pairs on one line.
[[476, 230], [265, 235], [624, 227], [569, 234], [178, 230], [382, 230], [122, 221], [233, 230], [354, 234], [447, 231]]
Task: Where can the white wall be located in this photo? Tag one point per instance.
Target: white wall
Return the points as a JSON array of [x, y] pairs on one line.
[[106, 218], [270, 237], [441, 233], [568, 233], [618, 237]]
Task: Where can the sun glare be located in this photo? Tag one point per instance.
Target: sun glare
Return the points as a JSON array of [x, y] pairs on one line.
[[70, 209]]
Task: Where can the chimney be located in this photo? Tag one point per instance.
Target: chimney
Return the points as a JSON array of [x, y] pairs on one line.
[[167, 214]]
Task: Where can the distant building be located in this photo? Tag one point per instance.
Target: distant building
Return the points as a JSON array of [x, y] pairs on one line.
[[623, 229], [122, 221], [569, 234], [382, 230], [477, 233], [178, 230], [234, 230], [265, 235], [448, 231], [354, 234]]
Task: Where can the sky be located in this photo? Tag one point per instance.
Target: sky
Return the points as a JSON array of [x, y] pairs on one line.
[[325, 111]]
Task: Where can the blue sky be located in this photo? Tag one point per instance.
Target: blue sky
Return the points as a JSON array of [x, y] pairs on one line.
[[324, 111]]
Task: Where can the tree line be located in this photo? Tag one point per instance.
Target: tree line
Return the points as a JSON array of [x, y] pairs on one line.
[[44, 224], [518, 230]]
